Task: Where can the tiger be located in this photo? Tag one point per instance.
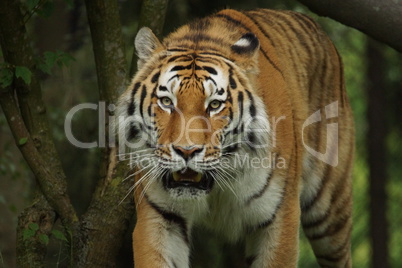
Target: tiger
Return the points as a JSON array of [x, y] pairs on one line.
[[239, 122]]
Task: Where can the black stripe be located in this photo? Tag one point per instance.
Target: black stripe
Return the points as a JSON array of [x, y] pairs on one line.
[[143, 95], [232, 82], [155, 78], [306, 20], [305, 208], [262, 191], [210, 79], [187, 58], [172, 218], [332, 229], [150, 114], [266, 223], [302, 40], [210, 70], [177, 50], [269, 221], [252, 105], [316, 222], [215, 54], [131, 107], [163, 88], [332, 258], [207, 59], [200, 25], [261, 49], [240, 103], [174, 264], [339, 252], [232, 21], [200, 37], [220, 91], [181, 67], [133, 132], [284, 31]]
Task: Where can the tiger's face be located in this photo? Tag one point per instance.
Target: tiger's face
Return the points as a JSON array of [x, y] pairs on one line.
[[188, 114]]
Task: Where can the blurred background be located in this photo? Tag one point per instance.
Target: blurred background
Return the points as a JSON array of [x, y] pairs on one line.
[[373, 75]]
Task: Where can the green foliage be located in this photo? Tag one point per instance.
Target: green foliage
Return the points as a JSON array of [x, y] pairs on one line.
[[50, 59], [24, 73], [33, 226], [22, 141], [8, 72], [30, 231], [44, 239], [59, 235]]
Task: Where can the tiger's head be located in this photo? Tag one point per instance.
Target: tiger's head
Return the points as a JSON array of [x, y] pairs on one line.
[[191, 111]]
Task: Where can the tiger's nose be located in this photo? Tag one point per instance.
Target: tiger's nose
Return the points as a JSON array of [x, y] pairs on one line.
[[187, 152]]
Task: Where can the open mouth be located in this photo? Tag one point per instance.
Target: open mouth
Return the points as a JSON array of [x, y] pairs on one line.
[[188, 178]]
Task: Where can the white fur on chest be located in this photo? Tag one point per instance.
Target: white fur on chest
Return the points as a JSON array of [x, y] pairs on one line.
[[232, 214], [228, 212]]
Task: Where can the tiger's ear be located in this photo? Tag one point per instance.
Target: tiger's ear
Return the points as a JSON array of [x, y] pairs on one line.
[[145, 44], [246, 49]]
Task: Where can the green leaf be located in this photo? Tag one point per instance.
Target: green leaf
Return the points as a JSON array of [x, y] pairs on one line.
[[24, 73], [33, 226], [6, 77], [44, 239], [22, 141], [27, 233], [50, 58], [59, 235]]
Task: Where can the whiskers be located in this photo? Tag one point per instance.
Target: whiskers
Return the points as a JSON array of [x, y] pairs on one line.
[[151, 168], [222, 170]]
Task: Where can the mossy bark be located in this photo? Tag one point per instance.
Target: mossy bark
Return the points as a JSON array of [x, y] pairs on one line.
[[153, 13], [96, 237], [25, 111]]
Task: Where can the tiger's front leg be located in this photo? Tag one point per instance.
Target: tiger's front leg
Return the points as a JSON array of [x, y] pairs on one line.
[[274, 244], [160, 238]]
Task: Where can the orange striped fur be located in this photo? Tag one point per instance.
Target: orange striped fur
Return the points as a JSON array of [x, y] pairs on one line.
[[246, 79]]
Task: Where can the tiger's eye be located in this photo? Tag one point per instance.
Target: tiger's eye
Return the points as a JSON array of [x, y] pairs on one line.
[[166, 101], [215, 104]]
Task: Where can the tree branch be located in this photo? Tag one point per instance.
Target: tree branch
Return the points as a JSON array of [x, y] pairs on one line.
[[30, 121], [53, 185], [381, 20], [153, 13]]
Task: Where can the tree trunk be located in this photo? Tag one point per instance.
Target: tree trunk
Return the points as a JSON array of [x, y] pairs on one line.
[[96, 238], [377, 159]]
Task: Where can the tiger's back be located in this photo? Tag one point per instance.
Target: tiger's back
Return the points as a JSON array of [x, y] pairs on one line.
[[276, 66]]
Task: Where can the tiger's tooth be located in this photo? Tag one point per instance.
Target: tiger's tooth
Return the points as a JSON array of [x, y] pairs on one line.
[[176, 176], [198, 177]]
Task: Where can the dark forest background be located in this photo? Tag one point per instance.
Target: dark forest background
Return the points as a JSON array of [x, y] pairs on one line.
[[374, 84]]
